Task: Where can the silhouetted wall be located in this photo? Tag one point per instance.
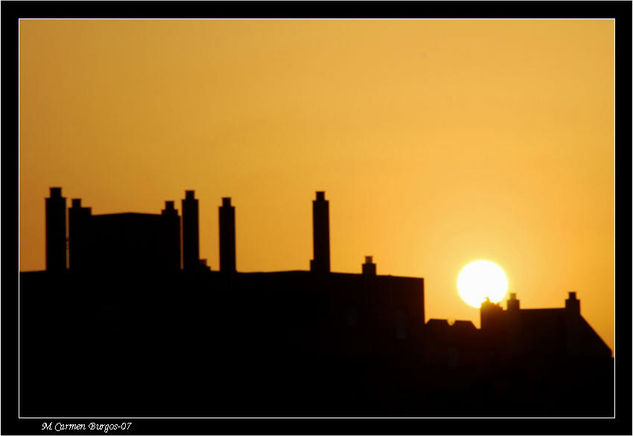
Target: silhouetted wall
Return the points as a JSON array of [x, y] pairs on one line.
[[293, 344], [130, 242], [56, 231], [227, 236], [190, 232], [125, 243], [321, 233]]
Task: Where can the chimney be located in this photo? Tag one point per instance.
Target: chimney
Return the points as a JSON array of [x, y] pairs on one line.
[[227, 236], [320, 234], [369, 267], [169, 208], [512, 303], [190, 235], [55, 231], [171, 224], [78, 234], [572, 304]]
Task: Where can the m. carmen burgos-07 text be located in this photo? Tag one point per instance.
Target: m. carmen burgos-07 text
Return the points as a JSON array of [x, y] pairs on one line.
[[92, 426]]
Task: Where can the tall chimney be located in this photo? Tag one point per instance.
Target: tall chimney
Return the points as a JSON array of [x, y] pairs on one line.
[[227, 236], [320, 234], [78, 234], [190, 235], [55, 231], [171, 222]]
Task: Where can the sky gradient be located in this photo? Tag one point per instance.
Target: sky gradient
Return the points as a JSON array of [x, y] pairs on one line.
[[437, 142]]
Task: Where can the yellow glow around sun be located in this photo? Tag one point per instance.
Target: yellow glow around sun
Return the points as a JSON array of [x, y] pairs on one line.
[[482, 279]]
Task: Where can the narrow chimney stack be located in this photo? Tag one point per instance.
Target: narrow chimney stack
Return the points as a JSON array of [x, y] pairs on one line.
[[227, 236], [78, 234], [171, 224], [55, 230], [320, 234], [190, 232]]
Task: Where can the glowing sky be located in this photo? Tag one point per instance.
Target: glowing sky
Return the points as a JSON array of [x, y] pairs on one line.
[[437, 142]]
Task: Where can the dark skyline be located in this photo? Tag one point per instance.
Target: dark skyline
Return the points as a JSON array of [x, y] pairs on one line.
[[297, 343]]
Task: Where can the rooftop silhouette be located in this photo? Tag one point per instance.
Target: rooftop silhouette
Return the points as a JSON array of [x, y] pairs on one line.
[[133, 309]]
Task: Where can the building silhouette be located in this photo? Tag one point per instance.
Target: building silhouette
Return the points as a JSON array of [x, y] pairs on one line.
[[554, 331], [122, 242], [188, 341]]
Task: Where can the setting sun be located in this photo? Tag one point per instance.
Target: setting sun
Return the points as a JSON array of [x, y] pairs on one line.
[[482, 279]]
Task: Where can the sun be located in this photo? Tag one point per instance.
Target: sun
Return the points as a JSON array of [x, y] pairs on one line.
[[479, 280]]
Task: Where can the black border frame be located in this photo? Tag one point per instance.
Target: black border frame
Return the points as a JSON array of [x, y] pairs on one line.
[[621, 11]]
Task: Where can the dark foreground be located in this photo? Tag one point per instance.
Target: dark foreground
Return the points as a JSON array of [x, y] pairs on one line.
[[282, 345]]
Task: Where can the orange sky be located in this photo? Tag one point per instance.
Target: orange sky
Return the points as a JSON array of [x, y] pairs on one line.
[[437, 142]]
